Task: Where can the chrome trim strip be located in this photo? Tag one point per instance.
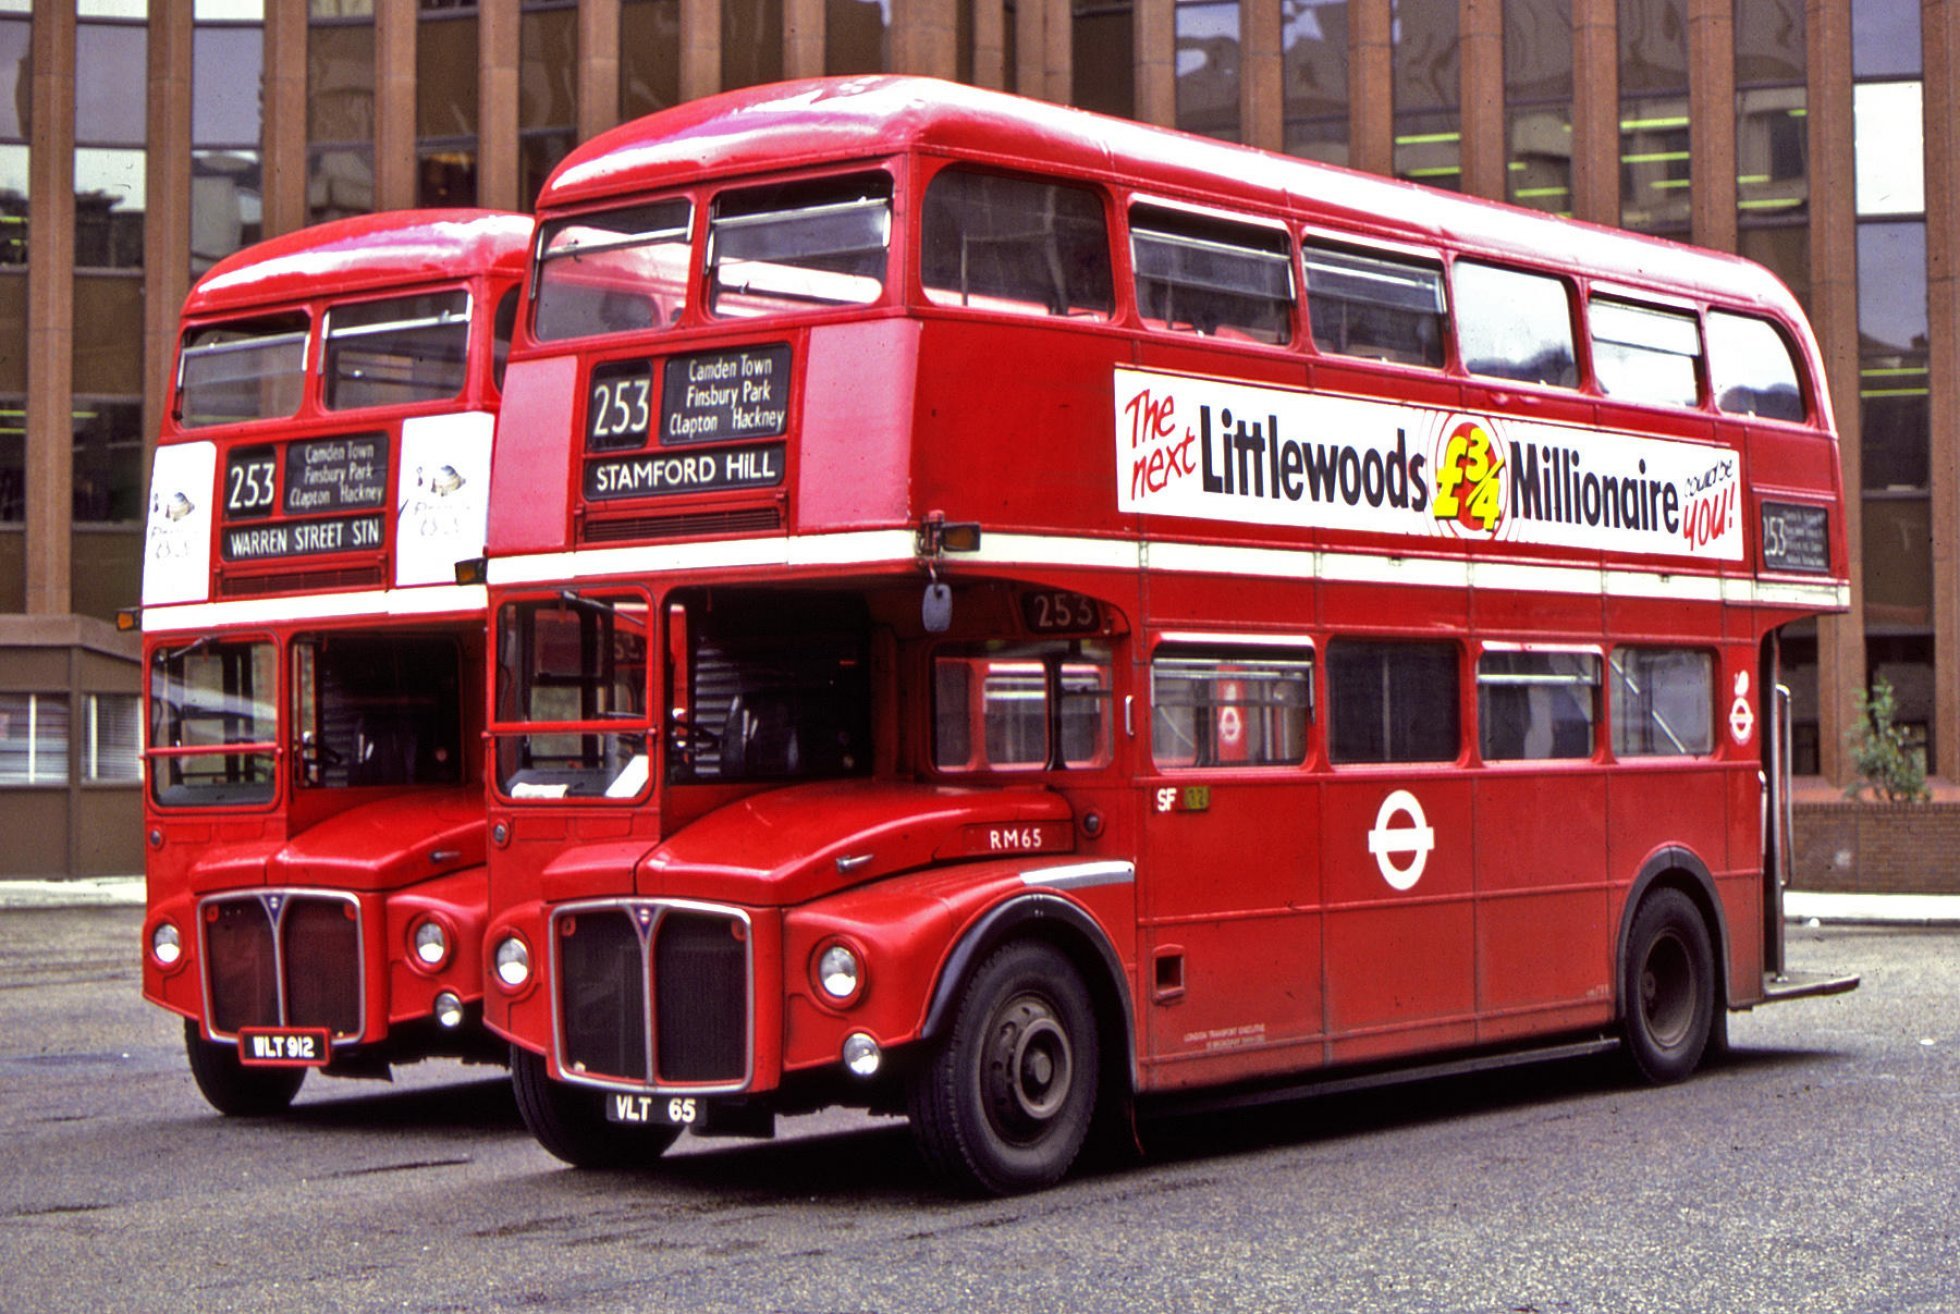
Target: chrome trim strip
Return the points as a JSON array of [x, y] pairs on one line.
[[1081, 875]]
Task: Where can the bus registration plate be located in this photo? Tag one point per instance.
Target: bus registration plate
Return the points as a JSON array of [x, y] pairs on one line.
[[284, 1047], [652, 1110]]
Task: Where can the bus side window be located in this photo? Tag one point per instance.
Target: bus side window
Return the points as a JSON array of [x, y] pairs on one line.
[[797, 246], [1514, 325], [1210, 276], [1532, 706], [1233, 708], [1645, 355], [992, 242], [1751, 369], [1375, 307], [1392, 701], [1663, 702]]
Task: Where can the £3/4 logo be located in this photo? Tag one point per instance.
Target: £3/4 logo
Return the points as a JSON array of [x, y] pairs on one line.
[[1470, 480]]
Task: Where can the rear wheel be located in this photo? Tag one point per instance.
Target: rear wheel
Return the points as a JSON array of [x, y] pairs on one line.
[[1669, 991], [570, 1121], [1005, 1101], [232, 1088]]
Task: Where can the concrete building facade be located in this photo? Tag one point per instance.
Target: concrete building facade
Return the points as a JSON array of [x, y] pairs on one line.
[[145, 139]]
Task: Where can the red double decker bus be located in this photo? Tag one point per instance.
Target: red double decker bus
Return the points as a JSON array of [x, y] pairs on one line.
[[1002, 614], [314, 809]]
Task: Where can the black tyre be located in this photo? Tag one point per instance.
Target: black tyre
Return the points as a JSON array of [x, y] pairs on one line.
[[570, 1121], [232, 1088], [1669, 990], [1005, 1100]]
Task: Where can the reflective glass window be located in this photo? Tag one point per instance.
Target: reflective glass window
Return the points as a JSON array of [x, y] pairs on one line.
[[995, 242], [1663, 702], [1514, 325], [1392, 701]]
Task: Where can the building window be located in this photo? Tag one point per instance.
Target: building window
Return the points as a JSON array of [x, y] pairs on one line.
[[33, 739], [112, 738], [339, 109], [111, 58], [1104, 55], [1428, 92], [856, 36], [1772, 139], [1538, 104], [1208, 68], [226, 197], [446, 103], [108, 461], [751, 42], [1654, 138], [1313, 69], [547, 92], [649, 56], [15, 39]]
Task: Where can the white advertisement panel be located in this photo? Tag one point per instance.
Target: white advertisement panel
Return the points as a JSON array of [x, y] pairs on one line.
[[442, 495], [177, 537], [1208, 449]]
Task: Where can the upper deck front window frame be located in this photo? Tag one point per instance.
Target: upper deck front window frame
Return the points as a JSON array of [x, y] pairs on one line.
[[331, 335], [658, 229], [723, 230], [291, 325]]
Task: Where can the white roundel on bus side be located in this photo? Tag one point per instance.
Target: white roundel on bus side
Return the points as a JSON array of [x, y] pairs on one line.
[[1389, 841], [1742, 717]]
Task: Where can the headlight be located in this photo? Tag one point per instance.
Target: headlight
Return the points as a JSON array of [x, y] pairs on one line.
[[838, 973], [449, 1010], [513, 962], [166, 946], [431, 942], [862, 1055]]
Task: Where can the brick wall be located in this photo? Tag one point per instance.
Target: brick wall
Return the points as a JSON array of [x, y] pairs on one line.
[[1891, 848]]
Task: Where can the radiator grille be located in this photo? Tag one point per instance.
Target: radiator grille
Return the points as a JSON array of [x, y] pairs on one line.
[[309, 944], [682, 974]]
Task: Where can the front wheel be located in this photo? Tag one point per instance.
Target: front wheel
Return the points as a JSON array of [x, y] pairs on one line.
[[1669, 991], [1004, 1102], [232, 1088], [570, 1121]]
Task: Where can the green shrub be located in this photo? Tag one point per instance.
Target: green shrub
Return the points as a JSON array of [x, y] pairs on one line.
[[1886, 762]]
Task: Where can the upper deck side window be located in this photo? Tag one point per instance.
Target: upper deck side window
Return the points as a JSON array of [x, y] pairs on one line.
[[616, 271], [1373, 306], [798, 246], [397, 351], [1645, 354], [1751, 368], [247, 369], [1514, 325], [1021, 245], [1204, 275]]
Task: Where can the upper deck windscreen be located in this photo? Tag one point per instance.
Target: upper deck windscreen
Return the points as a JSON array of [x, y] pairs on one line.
[[251, 369]]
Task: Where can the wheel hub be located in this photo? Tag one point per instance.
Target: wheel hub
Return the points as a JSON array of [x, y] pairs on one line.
[[1030, 1067]]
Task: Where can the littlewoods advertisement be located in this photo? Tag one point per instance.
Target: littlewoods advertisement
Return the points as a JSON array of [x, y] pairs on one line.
[[1211, 450]]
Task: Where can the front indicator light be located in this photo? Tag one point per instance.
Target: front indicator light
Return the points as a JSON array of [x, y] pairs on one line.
[[449, 1010], [513, 962], [166, 946], [431, 944], [838, 973], [862, 1055]]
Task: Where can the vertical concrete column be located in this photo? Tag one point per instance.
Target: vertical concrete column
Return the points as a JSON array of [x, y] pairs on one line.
[[1711, 122], [498, 42], [50, 472], [1940, 35], [598, 67], [989, 44], [700, 48], [925, 38], [1834, 316], [1262, 93], [167, 206], [1156, 61], [1480, 25], [1060, 63], [395, 166], [804, 35], [283, 152], [1371, 86], [1596, 110]]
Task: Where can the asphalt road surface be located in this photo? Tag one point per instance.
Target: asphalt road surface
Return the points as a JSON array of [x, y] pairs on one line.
[[1815, 1170]]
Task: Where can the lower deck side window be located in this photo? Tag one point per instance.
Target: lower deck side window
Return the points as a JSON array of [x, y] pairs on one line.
[[1213, 708], [1536, 705], [1392, 701], [1663, 701]]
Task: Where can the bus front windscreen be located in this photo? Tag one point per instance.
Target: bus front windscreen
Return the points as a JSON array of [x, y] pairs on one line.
[[572, 704], [242, 370], [213, 724], [615, 271]]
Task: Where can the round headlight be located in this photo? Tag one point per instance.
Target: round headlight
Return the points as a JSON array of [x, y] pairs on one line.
[[431, 944], [838, 974], [449, 1010], [862, 1055], [513, 962], [166, 946]]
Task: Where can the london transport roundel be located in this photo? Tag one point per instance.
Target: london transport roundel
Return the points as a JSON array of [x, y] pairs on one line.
[[1401, 840]]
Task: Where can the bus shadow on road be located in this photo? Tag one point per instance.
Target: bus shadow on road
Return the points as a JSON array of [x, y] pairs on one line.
[[477, 1103]]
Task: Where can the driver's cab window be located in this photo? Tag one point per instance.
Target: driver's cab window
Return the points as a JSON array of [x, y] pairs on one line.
[[378, 712], [573, 670], [1022, 706]]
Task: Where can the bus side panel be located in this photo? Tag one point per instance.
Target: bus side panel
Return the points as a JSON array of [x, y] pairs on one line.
[[1741, 887], [1544, 924], [1401, 962]]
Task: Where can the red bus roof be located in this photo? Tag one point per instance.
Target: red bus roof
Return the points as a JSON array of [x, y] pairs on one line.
[[366, 252], [786, 125]]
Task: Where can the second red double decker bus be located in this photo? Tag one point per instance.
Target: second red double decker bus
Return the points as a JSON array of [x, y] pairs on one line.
[[1000, 614], [314, 809]]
